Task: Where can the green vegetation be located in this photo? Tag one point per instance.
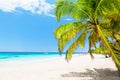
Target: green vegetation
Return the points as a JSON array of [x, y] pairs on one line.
[[95, 20]]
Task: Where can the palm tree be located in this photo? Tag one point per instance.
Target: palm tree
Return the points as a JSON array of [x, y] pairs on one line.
[[95, 20]]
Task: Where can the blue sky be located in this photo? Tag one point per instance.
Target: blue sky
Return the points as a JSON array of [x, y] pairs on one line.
[[28, 25]]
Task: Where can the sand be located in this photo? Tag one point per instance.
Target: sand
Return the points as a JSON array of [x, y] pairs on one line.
[[81, 67]]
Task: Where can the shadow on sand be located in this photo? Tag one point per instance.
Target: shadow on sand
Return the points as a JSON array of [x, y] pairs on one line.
[[96, 74]]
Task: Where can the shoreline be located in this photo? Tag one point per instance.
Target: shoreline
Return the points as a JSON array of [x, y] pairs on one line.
[[81, 67]]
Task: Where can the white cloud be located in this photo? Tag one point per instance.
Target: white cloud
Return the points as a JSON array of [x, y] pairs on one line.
[[68, 19], [34, 6]]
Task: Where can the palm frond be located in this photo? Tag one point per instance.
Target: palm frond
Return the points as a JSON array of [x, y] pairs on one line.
[[82, 38], [93, 39], [117, 36], [67, 7], [64, 28], [99, 50], [74, 45], [69, 35]]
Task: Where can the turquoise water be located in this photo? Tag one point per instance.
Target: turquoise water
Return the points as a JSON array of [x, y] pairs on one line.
[[27, 55]]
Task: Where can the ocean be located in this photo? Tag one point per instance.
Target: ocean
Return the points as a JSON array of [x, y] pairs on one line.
[[26, 55], [29, 55]]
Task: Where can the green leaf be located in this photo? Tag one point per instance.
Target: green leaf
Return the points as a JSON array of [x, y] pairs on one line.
[[74, 45], [64, 28], [68, 35]]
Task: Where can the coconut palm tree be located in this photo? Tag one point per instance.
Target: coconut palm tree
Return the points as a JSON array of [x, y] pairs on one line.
[[95, 20]]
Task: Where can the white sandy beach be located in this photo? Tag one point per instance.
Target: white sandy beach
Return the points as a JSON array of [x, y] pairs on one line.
[[79, 68]]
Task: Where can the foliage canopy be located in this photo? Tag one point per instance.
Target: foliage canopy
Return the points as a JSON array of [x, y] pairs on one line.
[[95, 20]]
